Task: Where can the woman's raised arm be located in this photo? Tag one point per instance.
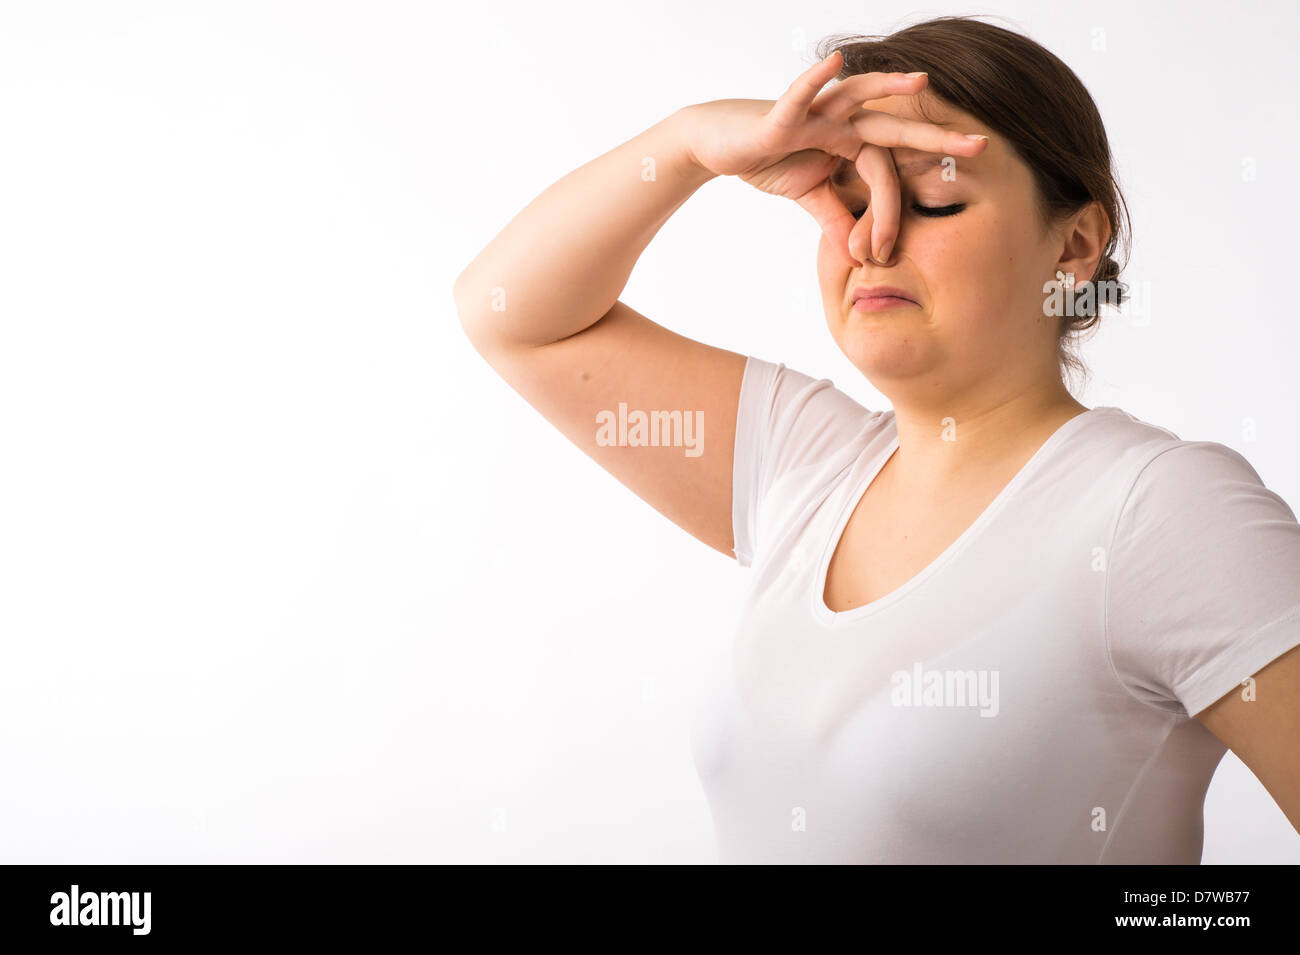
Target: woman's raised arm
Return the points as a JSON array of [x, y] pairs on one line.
[[540, 303]]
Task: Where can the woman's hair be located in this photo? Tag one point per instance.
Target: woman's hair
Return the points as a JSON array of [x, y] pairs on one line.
[[1030, 97]]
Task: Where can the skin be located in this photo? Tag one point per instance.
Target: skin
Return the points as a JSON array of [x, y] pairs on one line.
[[1263, 731], [540, 304]]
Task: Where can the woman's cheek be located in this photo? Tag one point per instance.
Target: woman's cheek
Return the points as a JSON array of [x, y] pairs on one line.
[[832, 272], [963, 256]]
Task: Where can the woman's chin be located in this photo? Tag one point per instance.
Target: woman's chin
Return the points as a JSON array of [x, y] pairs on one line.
[[882, 353]]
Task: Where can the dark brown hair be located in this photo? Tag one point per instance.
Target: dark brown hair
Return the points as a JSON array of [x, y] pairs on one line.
[[1030, 97]]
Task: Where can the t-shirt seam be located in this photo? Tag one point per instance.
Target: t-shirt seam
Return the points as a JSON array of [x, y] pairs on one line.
[[1137, 778], [759, 434], [1105, 590], [738, 447]]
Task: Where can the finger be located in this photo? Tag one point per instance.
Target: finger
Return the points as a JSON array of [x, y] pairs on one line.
[[875, 233], [833, 217], [792, 106], [890, 131], [835, 251], [849, 94]]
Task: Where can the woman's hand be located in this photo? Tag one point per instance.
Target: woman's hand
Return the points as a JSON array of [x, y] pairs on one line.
[[790, 146]]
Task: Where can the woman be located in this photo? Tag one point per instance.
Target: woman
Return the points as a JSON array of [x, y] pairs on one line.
[[990, 625]]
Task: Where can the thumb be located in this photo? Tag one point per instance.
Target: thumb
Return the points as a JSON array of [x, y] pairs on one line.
[[833, 217]]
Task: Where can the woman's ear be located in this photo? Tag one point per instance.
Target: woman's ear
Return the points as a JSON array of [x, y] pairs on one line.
[[1086, 235]]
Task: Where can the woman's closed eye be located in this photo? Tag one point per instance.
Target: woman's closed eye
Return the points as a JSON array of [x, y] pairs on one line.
[[928, 211]]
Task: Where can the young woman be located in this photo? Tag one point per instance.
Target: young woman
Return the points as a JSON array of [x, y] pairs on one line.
[[989, 625]]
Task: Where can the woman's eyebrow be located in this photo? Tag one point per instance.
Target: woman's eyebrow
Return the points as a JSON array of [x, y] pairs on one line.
[[915, 167]]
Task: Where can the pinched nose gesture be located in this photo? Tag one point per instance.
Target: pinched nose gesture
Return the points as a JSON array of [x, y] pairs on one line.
[[790, 147]]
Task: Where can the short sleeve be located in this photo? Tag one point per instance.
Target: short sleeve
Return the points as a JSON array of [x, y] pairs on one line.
[[1203, 578], [785, 420]]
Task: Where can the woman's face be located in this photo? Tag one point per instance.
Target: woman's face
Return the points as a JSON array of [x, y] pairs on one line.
[[976, 275]]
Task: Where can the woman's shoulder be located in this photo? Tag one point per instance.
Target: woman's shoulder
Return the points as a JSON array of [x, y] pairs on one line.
[[1154, 452], [1188, 480], [804, 412]]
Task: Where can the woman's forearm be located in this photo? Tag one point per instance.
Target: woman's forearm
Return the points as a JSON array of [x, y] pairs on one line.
[[560, 264]]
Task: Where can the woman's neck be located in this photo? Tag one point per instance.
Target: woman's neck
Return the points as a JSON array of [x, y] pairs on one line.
[[973, 439]]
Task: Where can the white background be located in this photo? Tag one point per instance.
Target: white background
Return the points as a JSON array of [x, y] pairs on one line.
[[287, 574]]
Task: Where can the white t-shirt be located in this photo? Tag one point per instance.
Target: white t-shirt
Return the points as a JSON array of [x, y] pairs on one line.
[[1029, 697]]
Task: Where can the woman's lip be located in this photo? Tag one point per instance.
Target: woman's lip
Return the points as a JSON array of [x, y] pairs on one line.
[[876, 303], [880, 291]]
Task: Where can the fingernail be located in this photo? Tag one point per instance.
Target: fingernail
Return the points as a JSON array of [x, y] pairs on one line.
[[975, 136], [885, 249], [912, 76]]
